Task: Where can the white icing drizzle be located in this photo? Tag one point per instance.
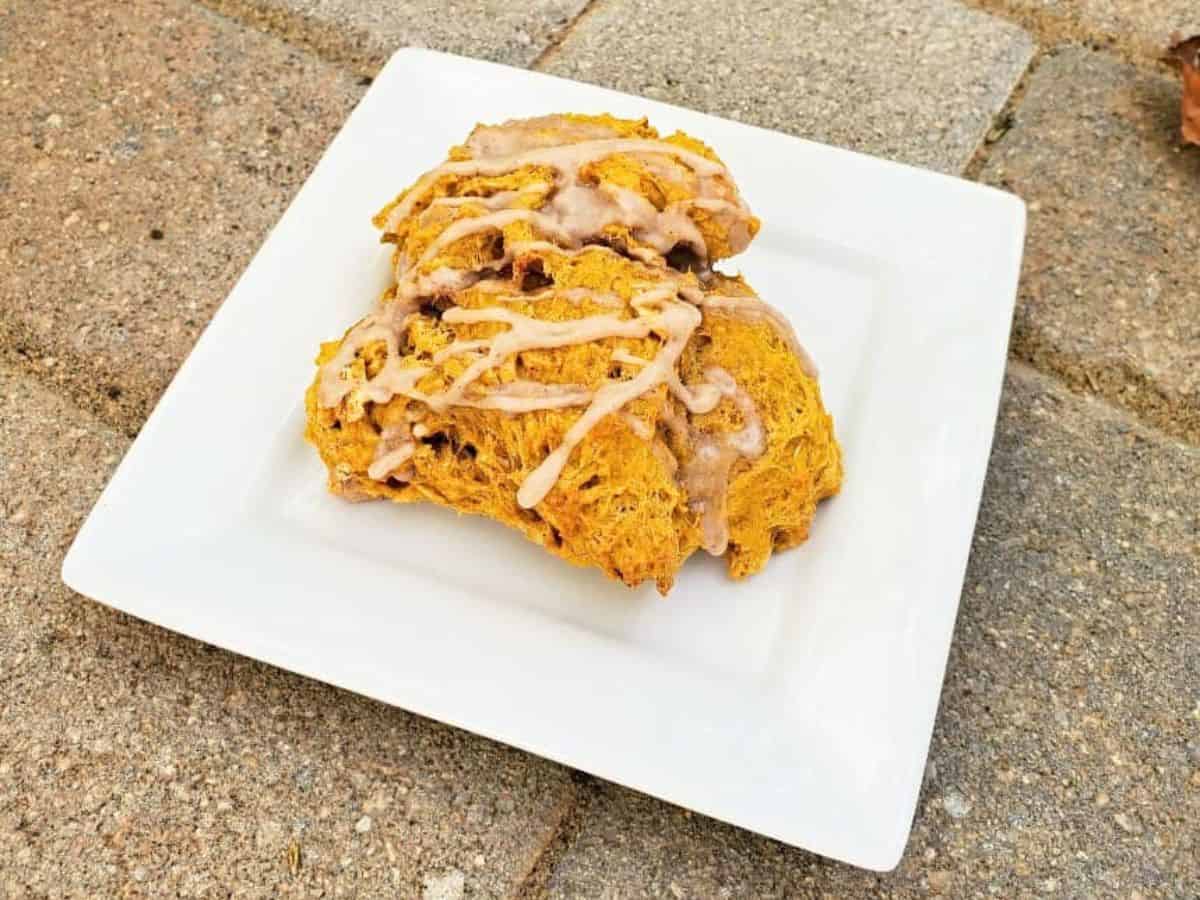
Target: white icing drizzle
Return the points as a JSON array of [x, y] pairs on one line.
[[410, 282], [584, 295], [640, 427], [526, 333], [334, 384], [705, 476], [460, 347], [586, 210], [658, 310], [700, 398], [749, 440], [523, 396], [499, 200], [500, 287], [517, 135], [507, 292], [621, 355], [395, 448], [445, 280], [676, 320], [566, 160], [576, 213], [669, 169], [573, 214], [712, 204]]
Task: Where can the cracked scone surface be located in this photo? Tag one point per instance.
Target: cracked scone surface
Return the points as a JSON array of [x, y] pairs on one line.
[[556, 353]]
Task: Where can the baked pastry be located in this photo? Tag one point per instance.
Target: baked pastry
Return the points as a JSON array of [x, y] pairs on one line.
[[556, 352]]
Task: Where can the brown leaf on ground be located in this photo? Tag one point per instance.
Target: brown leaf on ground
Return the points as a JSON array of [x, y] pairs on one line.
[[1186, 53]]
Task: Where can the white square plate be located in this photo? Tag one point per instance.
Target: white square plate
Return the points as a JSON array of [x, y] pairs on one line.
[[798, 703]]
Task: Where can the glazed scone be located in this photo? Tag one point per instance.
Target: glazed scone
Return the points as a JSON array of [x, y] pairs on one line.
[[572, 180], [556, 353], [615, 503]]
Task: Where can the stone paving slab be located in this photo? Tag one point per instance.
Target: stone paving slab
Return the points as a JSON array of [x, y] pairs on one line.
[[1066, 757], [137, 763], [146, 147], [914, 80], [1141, 26], [1110, 295], [363, 34]]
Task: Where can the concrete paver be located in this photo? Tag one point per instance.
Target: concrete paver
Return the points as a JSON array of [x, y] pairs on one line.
[[146, 148], [138, 763], [915, 80], [1066, 758], [1109, 298], [363, 34]]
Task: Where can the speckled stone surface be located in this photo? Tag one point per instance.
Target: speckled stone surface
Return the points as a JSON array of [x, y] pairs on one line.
[[1066, 757], [363, 34], [137, 763], [146, 148], [1110, 296], [1141, 26], [914, 80]]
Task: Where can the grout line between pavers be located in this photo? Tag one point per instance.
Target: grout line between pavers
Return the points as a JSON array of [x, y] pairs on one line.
[[536, 884], [551, 49], [1005, 117], [1053, 29], [345, 47], [22, 352], [1162, 417], [1113, 411], [1105, 385]]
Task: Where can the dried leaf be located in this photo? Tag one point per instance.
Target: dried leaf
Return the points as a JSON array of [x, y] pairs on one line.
[[1187, 54]]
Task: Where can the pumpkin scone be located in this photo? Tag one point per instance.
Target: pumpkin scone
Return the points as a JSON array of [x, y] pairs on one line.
[[556, 352]]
